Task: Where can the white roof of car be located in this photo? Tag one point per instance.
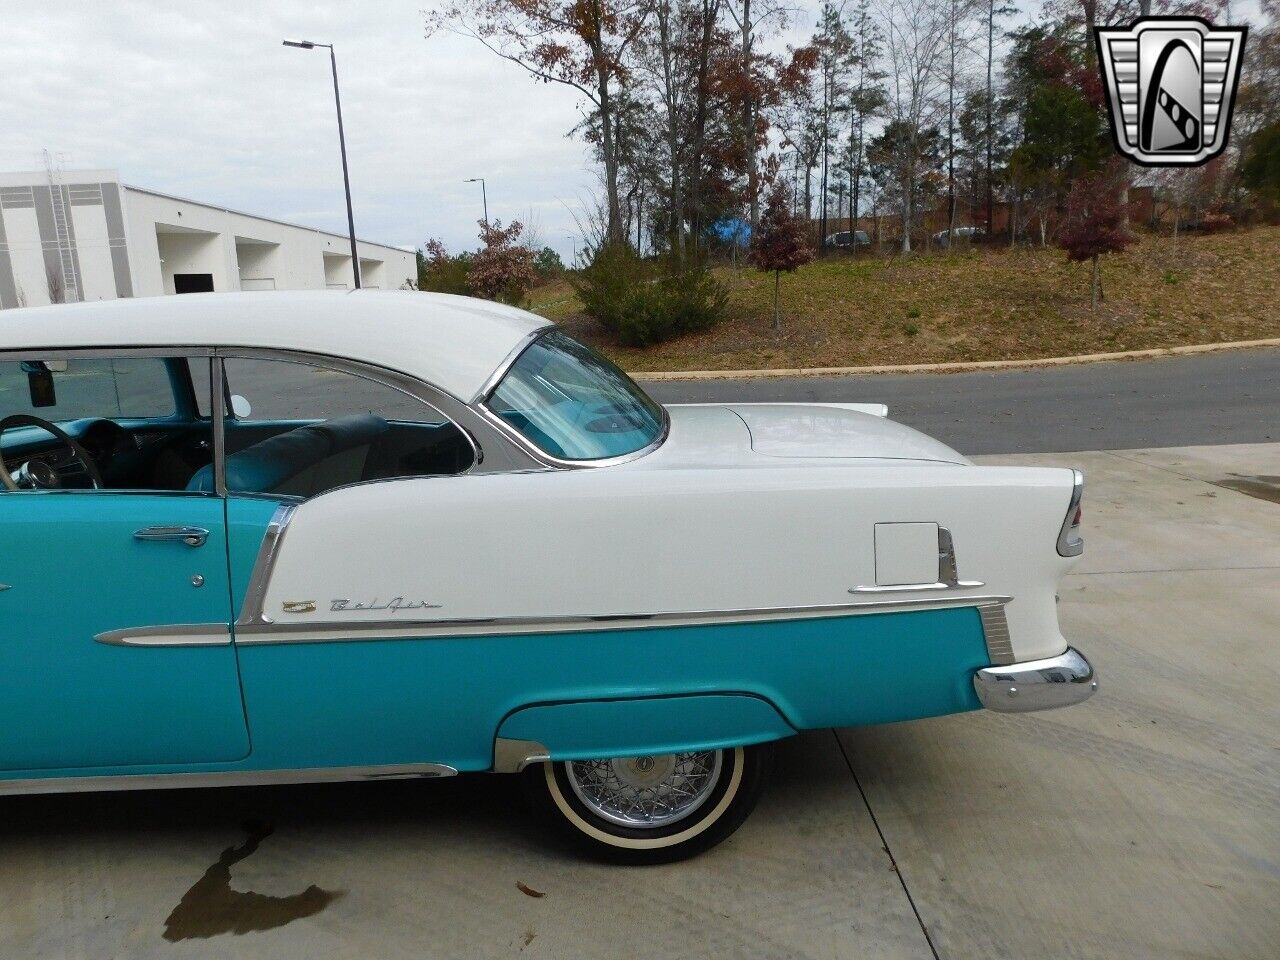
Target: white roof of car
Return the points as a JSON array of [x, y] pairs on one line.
[[455, 343]]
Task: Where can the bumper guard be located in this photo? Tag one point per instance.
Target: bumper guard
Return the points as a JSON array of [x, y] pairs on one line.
[[1037, 684]]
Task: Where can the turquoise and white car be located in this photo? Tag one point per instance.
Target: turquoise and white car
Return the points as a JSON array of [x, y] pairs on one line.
[[257, 538]]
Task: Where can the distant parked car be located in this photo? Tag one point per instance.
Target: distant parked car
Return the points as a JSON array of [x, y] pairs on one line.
[[848, 239], [943, 237]]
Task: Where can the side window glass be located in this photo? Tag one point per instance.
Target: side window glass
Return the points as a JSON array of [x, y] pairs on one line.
[[117, 423], [299, 429]]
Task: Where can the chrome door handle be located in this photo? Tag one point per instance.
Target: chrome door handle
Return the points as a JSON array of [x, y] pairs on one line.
[[191, 536]]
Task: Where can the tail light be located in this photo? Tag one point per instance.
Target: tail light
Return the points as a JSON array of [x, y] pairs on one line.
[[1070, 543]]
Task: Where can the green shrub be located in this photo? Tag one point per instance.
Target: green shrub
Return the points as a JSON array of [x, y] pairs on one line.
[[606, 284], [643, 303]]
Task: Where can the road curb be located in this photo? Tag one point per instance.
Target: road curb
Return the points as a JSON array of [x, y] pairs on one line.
[[956, 367]]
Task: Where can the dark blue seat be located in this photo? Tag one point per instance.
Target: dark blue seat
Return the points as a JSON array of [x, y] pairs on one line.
[[270, 463]]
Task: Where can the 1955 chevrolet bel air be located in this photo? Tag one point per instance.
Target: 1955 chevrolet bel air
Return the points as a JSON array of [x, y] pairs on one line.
[[253, 538]]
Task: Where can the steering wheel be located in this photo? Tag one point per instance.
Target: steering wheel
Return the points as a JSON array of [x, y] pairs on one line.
[[79, 452]]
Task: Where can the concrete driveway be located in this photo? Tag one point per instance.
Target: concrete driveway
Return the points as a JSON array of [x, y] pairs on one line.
[[1145, 823]]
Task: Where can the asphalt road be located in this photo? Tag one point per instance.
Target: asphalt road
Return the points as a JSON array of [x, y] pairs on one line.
[[1213, 398]]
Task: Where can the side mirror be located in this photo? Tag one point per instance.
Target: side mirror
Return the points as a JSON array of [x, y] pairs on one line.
[[240, 406]]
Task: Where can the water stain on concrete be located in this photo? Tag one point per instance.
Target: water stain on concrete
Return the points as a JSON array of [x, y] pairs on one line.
[[1264, 487], [211, 907]]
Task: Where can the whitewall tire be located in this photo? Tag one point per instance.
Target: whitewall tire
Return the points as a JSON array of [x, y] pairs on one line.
[[651, 809]]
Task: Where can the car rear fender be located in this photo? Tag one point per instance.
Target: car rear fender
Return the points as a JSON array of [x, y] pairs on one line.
[[583, 730]]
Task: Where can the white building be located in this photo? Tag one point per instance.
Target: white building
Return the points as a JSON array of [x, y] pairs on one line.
[[82, 235]]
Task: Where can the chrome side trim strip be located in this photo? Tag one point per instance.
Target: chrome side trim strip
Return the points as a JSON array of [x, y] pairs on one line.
[[172, 635], [1037, 684], [512, 756], [995, 626], [329, 631], [910, 587], [229, 778], [251, 611]]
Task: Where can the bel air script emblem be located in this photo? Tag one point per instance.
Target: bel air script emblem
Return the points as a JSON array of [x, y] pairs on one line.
[[1170, 85], [394, 605]]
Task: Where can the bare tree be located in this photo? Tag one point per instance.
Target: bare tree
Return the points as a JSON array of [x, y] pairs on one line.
[[915, 33], [960, 15], [752, 18], [582, 44]]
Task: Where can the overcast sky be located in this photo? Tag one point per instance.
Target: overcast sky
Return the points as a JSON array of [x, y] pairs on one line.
[[200, 100]]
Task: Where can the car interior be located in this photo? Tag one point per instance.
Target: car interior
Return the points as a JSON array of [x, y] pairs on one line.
[[172, 449]]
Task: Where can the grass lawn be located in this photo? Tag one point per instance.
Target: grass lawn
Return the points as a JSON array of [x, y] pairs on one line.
[[982, 304]]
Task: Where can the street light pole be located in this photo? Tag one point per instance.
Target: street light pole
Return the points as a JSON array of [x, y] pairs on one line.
[[342, 147], [484, 196]]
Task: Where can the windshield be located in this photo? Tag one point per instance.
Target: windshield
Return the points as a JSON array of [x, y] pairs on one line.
[[574, 404]]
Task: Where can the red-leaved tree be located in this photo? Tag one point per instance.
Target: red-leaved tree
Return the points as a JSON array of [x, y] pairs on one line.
[[1095, 224], [780, 243], [503, 268]]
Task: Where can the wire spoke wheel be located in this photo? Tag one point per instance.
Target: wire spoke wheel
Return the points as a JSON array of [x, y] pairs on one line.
[[649, 809], [646, 792]]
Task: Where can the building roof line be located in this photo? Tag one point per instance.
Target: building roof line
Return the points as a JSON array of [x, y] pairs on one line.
[[255, 216]]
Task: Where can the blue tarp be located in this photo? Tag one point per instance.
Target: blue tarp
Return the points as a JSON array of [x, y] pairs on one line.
[[732, 230]]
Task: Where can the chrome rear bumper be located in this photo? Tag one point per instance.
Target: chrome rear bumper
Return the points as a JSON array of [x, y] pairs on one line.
[[1037, 684]]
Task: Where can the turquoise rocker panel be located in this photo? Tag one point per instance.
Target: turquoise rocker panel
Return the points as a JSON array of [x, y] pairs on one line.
[[654, 725], [76, 570], [443, 700]]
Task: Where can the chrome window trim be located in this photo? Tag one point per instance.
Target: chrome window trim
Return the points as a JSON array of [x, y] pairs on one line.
[[227, 778], [218, 408], [174, 635], [1066, 546], [252, 612], [481, 405], [91, 353], [126, 353], [267, 631], [402, 383], [491, 382]]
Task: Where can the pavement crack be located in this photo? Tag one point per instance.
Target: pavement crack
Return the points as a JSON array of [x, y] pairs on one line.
[[884, 841]]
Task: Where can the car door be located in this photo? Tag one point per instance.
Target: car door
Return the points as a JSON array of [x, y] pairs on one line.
[[115, 647]]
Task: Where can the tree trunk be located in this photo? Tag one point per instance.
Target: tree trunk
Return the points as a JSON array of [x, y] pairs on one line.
[[608, 148], [777, 280], [906, 210], [749, 121], [951, 132], [1095, 285], [991, 40], [709, 10]]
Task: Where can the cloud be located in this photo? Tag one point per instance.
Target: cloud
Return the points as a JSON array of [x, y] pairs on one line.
[[201, 100]]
